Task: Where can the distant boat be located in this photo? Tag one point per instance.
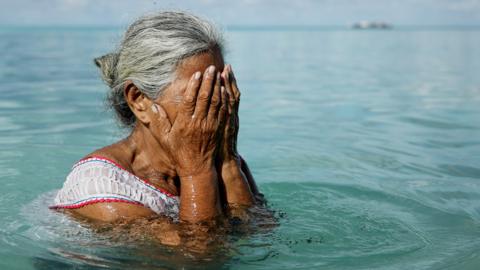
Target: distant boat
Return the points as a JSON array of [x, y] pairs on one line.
[[371, 25]]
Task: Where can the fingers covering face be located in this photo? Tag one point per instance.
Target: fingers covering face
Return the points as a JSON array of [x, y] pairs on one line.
[[164, 123], [205, 93], [187, 106], [222, 113], [231, 88], [216, 100], [206, 98]]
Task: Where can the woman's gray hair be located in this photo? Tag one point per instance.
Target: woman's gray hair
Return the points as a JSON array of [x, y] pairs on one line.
[[151, 50]]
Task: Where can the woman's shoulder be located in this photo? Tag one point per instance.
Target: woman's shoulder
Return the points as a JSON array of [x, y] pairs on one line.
[[117, 153], [110, 163], [101, 178]]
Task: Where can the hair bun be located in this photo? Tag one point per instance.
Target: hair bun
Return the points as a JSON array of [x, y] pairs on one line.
[[108, 67]]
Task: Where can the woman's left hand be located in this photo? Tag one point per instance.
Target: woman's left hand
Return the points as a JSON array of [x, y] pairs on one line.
[[228, 150], [237, 190]]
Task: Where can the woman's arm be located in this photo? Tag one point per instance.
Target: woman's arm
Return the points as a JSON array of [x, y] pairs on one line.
[[235, 183], [259, 198], [199, 198], [238, 183], [110, 212]]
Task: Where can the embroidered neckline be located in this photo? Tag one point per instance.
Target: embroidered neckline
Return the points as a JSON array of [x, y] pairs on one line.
[[115, 164]]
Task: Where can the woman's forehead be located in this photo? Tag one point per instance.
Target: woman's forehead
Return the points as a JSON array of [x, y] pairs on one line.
[[200, 63]]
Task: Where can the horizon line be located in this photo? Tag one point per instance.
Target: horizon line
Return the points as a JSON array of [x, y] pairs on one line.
[[246, 26]]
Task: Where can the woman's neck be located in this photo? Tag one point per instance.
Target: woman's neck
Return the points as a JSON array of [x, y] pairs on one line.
[[148, 157]]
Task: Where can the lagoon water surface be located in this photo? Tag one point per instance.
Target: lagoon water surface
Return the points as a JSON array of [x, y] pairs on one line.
[[366, 143]]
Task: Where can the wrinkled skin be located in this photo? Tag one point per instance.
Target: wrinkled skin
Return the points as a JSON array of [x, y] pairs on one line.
[[192, 139], [185, 142]]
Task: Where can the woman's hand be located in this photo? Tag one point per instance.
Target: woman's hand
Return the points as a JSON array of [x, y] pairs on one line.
[[237, 191], [228, 151], [193, 137]]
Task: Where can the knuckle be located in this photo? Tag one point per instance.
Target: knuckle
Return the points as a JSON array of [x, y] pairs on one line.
[[203, 96], [188, 111], [215, 101], [205, 128], [223, 108], [208, 79], [189, 99]]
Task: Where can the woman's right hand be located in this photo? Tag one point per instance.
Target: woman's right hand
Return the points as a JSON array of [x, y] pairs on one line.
[[192, 139]]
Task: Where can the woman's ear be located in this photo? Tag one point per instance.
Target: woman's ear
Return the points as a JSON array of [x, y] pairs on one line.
[[138, 102]]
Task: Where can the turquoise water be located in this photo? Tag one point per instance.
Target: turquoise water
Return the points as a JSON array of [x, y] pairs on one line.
[[366, 143]]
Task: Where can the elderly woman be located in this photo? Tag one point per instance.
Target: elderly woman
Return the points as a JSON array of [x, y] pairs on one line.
[[170, 85]]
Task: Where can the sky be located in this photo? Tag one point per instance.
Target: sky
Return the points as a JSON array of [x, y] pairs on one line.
[[244, 12]]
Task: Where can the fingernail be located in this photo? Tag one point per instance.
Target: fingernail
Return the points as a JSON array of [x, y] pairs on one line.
[[211, 69], [160, 111], [154, 108], [218, 76], [222, 89], [197, 75]]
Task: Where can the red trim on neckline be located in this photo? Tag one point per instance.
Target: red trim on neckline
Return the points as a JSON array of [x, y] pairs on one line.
[[121, 167], [75, 206]]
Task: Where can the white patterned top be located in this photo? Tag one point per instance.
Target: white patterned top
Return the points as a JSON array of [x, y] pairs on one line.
[[98, 179]]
